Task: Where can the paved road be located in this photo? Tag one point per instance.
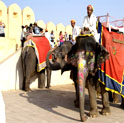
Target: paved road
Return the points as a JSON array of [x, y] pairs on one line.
[[52, 106]]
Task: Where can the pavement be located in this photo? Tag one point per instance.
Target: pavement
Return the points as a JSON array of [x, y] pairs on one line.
[[54, 105]]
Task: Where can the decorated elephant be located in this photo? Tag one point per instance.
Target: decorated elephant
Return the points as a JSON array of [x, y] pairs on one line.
[[82, 59], [30, 62]]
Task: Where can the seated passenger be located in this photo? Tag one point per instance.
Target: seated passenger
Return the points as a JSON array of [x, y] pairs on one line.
[[2, 26], [89, 23], [75, 30], [36, 29]]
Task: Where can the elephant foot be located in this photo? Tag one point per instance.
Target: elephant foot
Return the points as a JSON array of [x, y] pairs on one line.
[[98, 96], [28, 89], [76, 104], [106, 111], [48, 86], [94, 113], [84, 118], [115, 101], [41, 86]]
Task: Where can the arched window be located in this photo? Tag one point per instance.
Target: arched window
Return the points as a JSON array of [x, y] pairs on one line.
[[15, 14], [28, 17], [0, 12]]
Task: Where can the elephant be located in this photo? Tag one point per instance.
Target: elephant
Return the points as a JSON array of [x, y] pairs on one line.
[[82, 59], [29, 66]]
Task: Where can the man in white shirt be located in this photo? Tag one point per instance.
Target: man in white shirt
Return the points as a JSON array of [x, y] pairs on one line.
[[47, 35], [89, 23], [75, 30]]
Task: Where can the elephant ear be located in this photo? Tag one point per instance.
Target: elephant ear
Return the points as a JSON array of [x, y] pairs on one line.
[[101, 54]]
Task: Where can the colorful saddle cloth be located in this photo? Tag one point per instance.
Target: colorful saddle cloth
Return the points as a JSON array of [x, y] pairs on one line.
[[111, 72], [41, 46]]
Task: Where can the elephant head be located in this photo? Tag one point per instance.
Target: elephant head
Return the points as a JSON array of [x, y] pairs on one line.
[[58, 56], [86, 55]]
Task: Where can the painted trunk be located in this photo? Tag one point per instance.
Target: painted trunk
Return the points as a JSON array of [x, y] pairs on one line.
[[82, 75]]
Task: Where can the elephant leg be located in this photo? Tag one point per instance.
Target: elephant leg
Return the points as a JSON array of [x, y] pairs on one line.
[[92, 95], [27, 79], [74, 77], [115, 98], [105, 101], [41, 79], [23, 85], [27, 83], [122, 102], [110, 96], [48, 77]]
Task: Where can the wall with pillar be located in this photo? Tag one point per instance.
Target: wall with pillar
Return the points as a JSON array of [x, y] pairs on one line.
[[41, 24], [27, 16], [59, 27], [13, 18], [68, 29], [14, 22]]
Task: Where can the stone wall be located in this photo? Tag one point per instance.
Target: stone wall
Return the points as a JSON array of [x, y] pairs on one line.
[[13, 18], [10, 64]]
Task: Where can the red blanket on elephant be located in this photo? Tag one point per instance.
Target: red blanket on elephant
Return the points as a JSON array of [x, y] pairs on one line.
[[112, 71], [41, 46]]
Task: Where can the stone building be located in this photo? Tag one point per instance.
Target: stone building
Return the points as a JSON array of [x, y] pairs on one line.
[[13, 18]]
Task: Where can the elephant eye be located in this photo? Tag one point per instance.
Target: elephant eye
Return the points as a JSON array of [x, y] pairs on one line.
[[60, 54]]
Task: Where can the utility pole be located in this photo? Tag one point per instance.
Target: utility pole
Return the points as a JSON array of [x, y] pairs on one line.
[[107, 20]]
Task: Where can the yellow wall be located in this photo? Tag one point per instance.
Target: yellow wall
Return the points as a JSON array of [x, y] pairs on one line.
[[13, 18], [3, 16], [60, 27], [68, 29], [27, 16], [14, 22], [41, 24]]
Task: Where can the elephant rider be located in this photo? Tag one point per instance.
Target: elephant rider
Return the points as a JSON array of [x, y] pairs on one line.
[[89, 23], [75, 31]]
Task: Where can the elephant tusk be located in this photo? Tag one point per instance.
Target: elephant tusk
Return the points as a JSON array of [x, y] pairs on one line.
[[66, 58]]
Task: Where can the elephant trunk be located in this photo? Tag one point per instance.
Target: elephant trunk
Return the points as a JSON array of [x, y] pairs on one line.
[[50, 65], [82, 75]]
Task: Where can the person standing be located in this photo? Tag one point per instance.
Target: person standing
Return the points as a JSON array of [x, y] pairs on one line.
[[89, 23], [75, 30], [47, 35], [52, 38], [2, 26], [23, 36], [36, 29], [66, 36], [61, 38]]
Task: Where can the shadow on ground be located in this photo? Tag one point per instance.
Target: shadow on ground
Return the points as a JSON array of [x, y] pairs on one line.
[[49, 99]]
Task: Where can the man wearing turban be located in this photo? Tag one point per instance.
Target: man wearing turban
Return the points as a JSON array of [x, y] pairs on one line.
[[75, 31], [89, 23]]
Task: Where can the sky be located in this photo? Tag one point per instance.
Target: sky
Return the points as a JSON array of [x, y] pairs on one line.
[[62, 11]]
